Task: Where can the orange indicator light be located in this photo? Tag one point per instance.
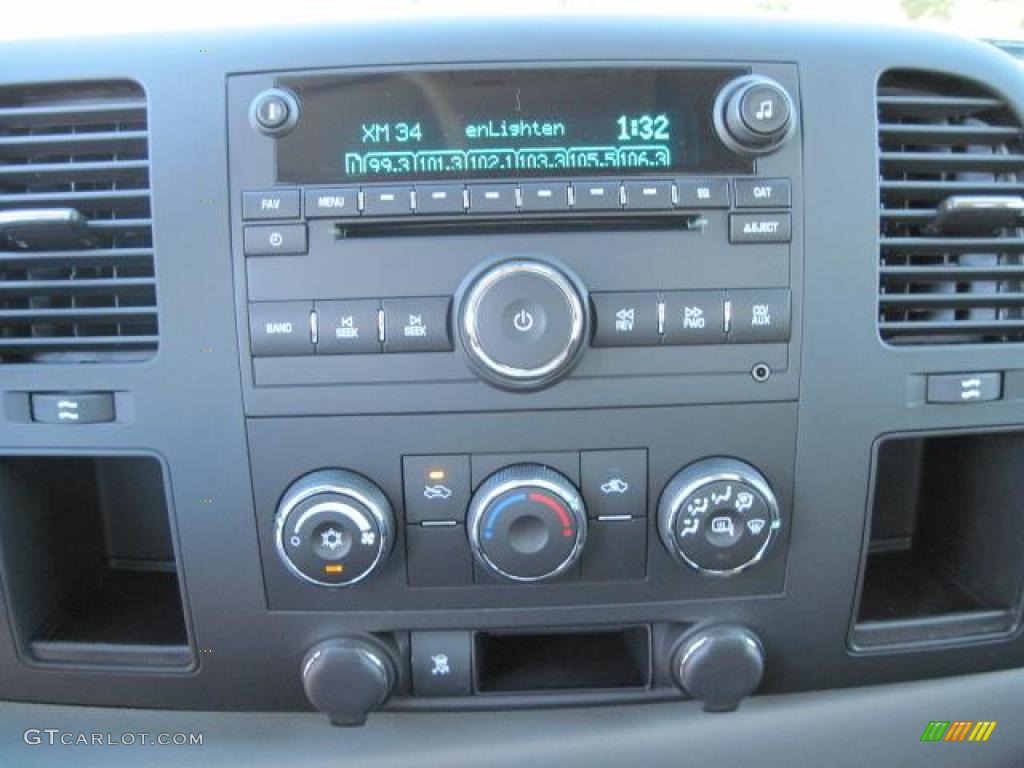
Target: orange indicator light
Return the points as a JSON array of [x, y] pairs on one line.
[[334, 569], [436, 474]]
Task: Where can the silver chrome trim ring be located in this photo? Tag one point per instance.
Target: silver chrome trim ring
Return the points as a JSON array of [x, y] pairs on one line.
[[519, 476], [718, 469], [479, 291], [342, 483]]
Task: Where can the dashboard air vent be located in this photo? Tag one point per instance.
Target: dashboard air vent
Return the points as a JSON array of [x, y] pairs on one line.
[[951, 156], [77, 279]]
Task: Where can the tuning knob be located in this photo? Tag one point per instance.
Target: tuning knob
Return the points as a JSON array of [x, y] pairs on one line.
[[348, 678], [754, 115], [334, 528], [527, 523], [719, 665], [522, 323], [718, 516]]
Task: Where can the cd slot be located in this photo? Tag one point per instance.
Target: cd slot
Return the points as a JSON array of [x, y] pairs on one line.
[[358, 228]]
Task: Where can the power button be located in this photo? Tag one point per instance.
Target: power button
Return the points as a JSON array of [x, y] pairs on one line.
[[522, 323]]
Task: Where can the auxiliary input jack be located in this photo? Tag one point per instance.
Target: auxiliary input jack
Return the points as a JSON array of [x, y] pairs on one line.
[[761, 373]]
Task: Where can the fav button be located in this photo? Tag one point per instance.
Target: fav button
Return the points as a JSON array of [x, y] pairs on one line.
[[417, 325], [437, 488], [270, 204], [626, 319], [347, 327]]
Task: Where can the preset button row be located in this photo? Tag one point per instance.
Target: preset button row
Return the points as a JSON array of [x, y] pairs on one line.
[[536, 196], [350, 326]]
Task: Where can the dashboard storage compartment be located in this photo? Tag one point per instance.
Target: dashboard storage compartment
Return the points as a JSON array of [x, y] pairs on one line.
[[519, 662], [943, 561], [88, 561]]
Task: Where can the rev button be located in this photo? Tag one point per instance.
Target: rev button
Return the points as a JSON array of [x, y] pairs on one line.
[[626, 319]]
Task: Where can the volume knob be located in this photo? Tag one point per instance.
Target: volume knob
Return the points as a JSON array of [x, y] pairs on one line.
[[522, 323]]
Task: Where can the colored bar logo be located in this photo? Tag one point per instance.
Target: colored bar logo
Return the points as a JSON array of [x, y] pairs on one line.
[[958, 730]]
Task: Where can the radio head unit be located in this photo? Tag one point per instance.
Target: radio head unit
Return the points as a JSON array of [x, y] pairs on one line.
[[569, 235]]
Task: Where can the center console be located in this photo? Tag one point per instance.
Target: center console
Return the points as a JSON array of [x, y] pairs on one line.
[[511, 265]]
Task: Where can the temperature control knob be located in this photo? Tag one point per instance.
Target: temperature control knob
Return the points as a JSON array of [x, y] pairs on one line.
[[754, 115], [522, 323], [527, 523], [334, 528], [718, 516]]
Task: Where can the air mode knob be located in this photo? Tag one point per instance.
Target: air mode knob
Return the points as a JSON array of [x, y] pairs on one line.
[[522, 323], [754, 115], [527, 523], [334, 528], [718, 516]]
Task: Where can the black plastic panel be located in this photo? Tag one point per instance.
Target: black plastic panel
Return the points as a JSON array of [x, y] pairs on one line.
[[840, 391]]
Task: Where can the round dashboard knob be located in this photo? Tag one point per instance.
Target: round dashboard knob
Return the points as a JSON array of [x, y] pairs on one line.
[[522, 323], [348, 678], [527, 523], [334, 528], [274, 112], [718, 516], [719, 665], [754, 115]]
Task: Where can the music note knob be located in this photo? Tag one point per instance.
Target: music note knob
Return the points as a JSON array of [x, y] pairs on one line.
[[754, 115]]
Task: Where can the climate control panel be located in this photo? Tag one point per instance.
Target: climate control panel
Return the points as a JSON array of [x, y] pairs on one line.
[[527, 522]]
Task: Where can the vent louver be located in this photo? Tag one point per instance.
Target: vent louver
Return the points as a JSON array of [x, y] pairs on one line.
[[952, 195], [77, 279]]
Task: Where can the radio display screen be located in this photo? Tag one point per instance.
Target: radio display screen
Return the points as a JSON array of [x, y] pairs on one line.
[[505, 124]]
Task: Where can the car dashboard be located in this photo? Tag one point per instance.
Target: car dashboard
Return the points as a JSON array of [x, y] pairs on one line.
[[434, 375]]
